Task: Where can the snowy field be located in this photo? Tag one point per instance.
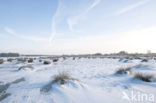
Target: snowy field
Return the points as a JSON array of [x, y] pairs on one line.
[[95, 81]]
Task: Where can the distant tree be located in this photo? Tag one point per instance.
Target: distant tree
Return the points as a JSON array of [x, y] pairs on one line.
[[122, 52], [9, 55], [97, 54]]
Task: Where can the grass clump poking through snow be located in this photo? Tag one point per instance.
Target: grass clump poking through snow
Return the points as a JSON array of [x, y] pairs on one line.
[[40, 60], [62, 78], [144, 77], [123, 70], [55, 60], [1, 61], [144, 60], [30, 60], [9, 59], [46, 62]]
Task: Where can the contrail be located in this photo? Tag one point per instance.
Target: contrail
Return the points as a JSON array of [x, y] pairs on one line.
[[32, 38], [53, 24], [71, 21], [131, 7], [74, 20]]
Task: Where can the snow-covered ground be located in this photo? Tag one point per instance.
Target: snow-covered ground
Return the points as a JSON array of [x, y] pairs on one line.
[[97, 82]]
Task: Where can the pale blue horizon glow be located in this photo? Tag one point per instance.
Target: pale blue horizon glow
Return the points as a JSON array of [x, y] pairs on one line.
[[77, 27]]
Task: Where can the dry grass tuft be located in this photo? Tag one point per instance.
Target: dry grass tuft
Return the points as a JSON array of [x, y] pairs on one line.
[[9, 59], [30, 60], [62, 78], [46, 62], [55, 60], [144, 77], [1, 61], [144, 60], [123, 70], [40, 60]]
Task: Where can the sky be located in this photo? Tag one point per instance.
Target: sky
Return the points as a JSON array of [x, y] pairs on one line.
[[77, 26]]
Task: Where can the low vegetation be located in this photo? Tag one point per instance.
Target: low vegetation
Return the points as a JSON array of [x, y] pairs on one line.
[[46, 62], [123, 70], [144, 76], [30, 60], [40, 60], [61, 79], [144, 60], [55, 60], [9, 59], [1, 61]]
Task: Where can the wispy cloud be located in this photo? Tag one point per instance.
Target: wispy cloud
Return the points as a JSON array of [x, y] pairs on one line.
[[74, 20], [32, 38], [71, 20], [9, 30], [53, 24], [96, 2], [131, 7]]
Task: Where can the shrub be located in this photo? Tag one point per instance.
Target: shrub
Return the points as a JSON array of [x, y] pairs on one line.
[[9, 59], [46, 62], [123, 70], [62, 78], [125, 61], [30, 60], [144, 77], [40, 60], [144, 60], [1, 61], [55, 60]]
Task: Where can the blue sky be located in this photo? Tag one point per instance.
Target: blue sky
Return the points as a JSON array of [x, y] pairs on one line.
[[77, 26]]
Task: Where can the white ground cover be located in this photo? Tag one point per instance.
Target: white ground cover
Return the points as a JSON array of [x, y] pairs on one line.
[[97, 82]]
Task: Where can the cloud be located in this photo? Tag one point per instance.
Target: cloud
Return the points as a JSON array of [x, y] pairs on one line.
[[71, 20], [96, 2], [31, 38], [53, 24], [9, 30], [75, 19], [131, 7]]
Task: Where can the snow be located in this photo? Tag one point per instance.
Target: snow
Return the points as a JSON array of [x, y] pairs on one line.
[[97, 81]]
